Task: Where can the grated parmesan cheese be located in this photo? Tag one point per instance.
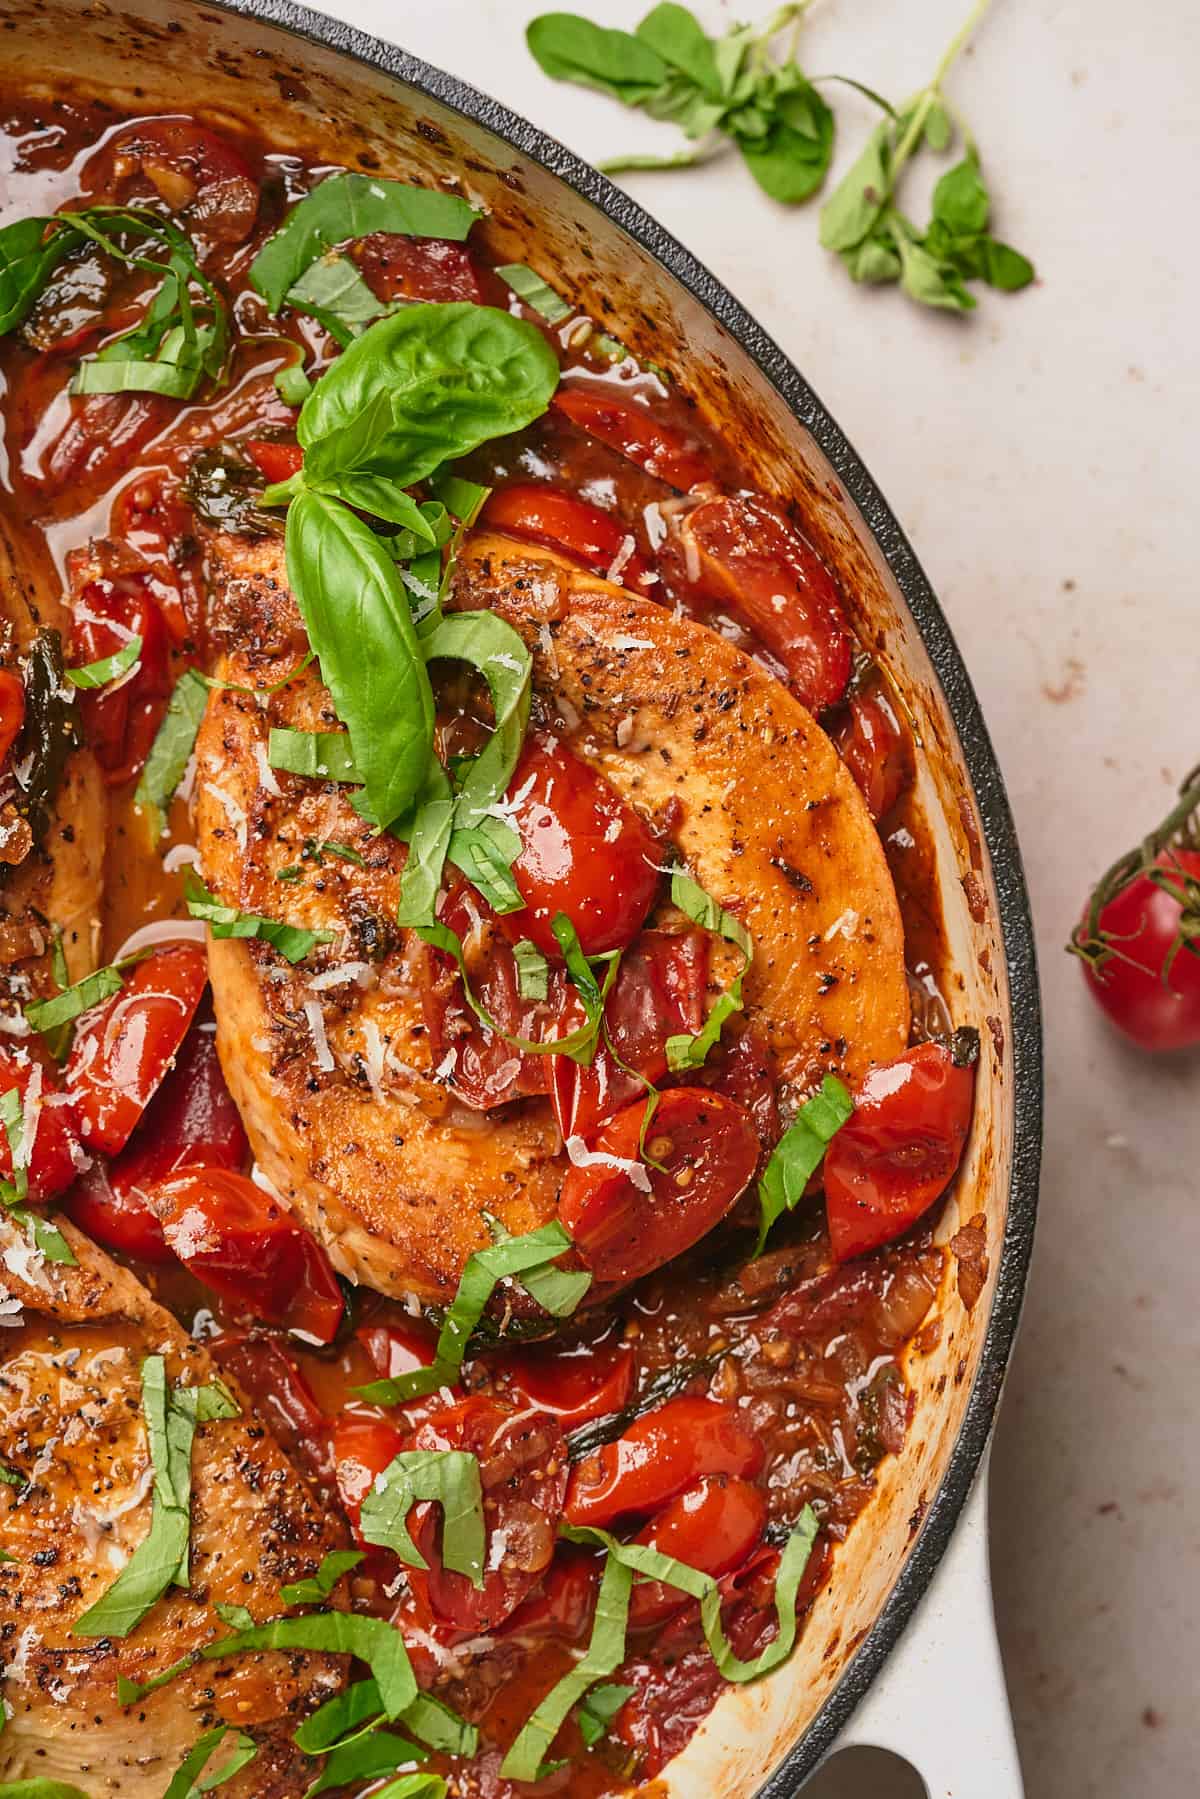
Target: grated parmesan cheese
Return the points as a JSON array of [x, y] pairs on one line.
[[316, 1028], [583, 1157]]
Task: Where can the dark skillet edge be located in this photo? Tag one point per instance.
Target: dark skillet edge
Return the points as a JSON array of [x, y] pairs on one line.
[[1011, 892]]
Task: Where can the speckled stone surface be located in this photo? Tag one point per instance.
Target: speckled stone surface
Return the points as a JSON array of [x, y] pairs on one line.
[[1042, 457]]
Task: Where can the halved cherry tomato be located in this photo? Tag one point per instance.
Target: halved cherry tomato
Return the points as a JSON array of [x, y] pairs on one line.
[[658, 1457], [274, 459], [900, 1149], [712, 1526], [875, 748], [52, 1157], [743, 1069], [107, 613], [632, 1217], [243, 1244], [564, 522], [363, 1445], [149, 516], [753, 559], [658, 993], [398, 1346], [12, 709], [416, 268], [583, 852], [193, 170], [85, 441], [282, 1397], [523, 1472], [562, 1606], [117, 1217], [633, 431], [576, 1384], [123, 1048]]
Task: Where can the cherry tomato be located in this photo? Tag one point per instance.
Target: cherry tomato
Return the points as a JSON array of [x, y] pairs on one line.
[[197, 174], [712, 1526], [523, 1472], [412, 268], [560, 520], [574, 1385], [53, 1155], [583, 852], [282, 1398], [116, 1216], [363, 1445], [398, 1346], [123, 1048], [562, 1606], [875, 748], [275, 460], [107, 613], [1155, 1004], [660, 1456], [658, 993], [85, 441], [12, 710], [630, 1218], [631, 429], [149, 516], [743, 1069], [753, 559], [244, 1245], [900, 1149]]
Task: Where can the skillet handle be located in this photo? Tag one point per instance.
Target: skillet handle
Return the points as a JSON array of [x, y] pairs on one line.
[[940, 1701]]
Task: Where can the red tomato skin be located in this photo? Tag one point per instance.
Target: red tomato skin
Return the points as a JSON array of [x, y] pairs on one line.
[[12, 710], [562, 521], [243, 1244], [563, 1606], [712, 1526], [54, 1153], [275, 461], [876, 749], [107, 611], [281, 1396], [634, 432], [101, 434], [900, 1149], [709, 1150], [193, 169], [116, 1216], [123, 1048], [363, 1444], [399, 1346], [573, 1386], [1144, 922], [583, 852], [751, 557], [658, 1457], [411, 268]]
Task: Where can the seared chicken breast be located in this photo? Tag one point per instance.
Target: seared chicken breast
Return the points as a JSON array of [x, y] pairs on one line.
[[329, 1061]]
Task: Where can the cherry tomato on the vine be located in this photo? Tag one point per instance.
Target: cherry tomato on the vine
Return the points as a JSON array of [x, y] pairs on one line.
[[1147, 974]]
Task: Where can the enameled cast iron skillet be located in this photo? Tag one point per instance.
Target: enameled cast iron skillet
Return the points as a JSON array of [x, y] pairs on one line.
[[310, 83]]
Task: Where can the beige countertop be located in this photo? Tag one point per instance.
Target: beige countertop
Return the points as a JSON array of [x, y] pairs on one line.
[[1042, 458]]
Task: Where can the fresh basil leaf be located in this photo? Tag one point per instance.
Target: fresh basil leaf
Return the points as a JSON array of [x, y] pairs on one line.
[[317, 1587], [454, 375], [484, 1270], [46, 1237], [535, 292], [677, 36], [320, 755], [685, 1050], [379, 496], [360, 625], [161, 1559], [333, 290], [47, 1014], [857, 202], [344, 208], [371, 1640], [191, 1782], [960, 199], [30, 251], [430, 1720], [485, 855], [109, 668], [464, 500], [652, 1564], [39, 1788], [597, 1709], [449, 1477], [362, 1758], [490, 645], [291, 941], [800, 1151], [569, 48], [558, 1291], [533, 970], [605, 1652], [292, 384], [171, 750]]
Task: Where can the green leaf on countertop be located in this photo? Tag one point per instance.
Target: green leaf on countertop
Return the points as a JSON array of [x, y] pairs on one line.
[[570, 48]]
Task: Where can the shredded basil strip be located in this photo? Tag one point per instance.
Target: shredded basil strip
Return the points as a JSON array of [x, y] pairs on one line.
[[463, 499], [597, 1709], [685, 1050], [333, 290], [321, 755], [109, 668], [47, 1014], [652, 1564], [291, 941], [171, 750], [429, 1719], [451, 1478], [316, 1588], [414, 1786], [344, 208], [557, 1290], [799, 1153], [372, 1640], [526, 1758], [161, 1559], [362, 1757], [484, 1270], [191, 1782], [39, 1788], [529, 286], [533, 970], [292, 384]]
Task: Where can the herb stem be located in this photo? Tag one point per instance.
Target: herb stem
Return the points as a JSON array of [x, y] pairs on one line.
[[911, 136]]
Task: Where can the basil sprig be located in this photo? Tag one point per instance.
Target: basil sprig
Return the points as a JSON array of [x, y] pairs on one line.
[[161, 1559], [799, 1153], [451, 1478]]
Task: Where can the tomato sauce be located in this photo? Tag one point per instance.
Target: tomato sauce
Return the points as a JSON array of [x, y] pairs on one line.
[[804, 1353]]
